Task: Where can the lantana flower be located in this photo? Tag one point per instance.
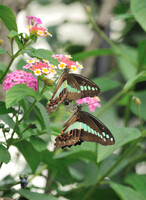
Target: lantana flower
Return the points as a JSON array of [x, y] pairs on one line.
[[20, 77], [40, 67], [92, 102], [65, 62], [35, 27]]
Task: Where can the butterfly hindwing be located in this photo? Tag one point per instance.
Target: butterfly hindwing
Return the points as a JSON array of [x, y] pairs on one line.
[[70, 135], [59, 94], [82, 126]]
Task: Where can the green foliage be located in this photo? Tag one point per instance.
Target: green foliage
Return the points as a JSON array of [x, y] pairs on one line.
[[36, 196], [8, 17], [4, 154], [139, 11], [91, 170], [18, 92]]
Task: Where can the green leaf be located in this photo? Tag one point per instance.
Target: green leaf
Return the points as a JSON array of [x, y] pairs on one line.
[[139, 11], [142, 53], [127, 69], [9, 121], [3, 67], [125, 192], [8, 17], [38, 143], [122, 136], [138, 78], [4, 154], [43, 116], [32, 156], [86, 54], [2, 51], [138, 182], [36, 196], [106, 84], [41, 54], [18, 92], [4, 110], [13, 33]]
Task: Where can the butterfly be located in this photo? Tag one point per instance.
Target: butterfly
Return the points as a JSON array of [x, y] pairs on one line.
[[71, 87], [82, 126]]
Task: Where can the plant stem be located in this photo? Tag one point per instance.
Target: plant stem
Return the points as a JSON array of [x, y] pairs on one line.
[[12, 59], [27, 112], [140, 119], [38, 173], [127, 110], [111, 101], [112, 44], [127, 151]]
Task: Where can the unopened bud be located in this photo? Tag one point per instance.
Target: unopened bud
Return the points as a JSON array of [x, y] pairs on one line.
[[1, 42], [88, 8], [48, 81], [32, 126], [136, 100]]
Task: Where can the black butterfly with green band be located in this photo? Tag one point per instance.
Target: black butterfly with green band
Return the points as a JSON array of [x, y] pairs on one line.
[[82, 126], [71, 87]]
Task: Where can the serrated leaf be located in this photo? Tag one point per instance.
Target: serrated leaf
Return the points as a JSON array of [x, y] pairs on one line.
[[2, 51], [41, 54], [106, 84], [138, 78], [125, 192], [8, 17], [122, 136], [139, 11], [36, 196], [86, 54], [17, 92], [4, 154], [32, 156], [38, 143]]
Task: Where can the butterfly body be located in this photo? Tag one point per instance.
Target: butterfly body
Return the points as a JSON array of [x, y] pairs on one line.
[[82, 126], [71, 87]]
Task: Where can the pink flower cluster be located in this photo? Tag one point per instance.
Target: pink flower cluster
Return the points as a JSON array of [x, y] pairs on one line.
[[35, 28], [20, 77], [92, 102], [65, 62], [40, 67]]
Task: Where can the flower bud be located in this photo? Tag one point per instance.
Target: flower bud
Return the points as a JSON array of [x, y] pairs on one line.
[[136, 100], [1, 42], [1, 125], [48, 81]]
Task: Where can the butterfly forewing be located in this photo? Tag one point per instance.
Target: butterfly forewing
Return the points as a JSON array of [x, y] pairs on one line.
[[88, 88], [95, 131]]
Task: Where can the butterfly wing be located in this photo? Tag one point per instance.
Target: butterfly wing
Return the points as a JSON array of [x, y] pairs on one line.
[[59, 93], [88, 88], [71, 133], [93, 130]]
